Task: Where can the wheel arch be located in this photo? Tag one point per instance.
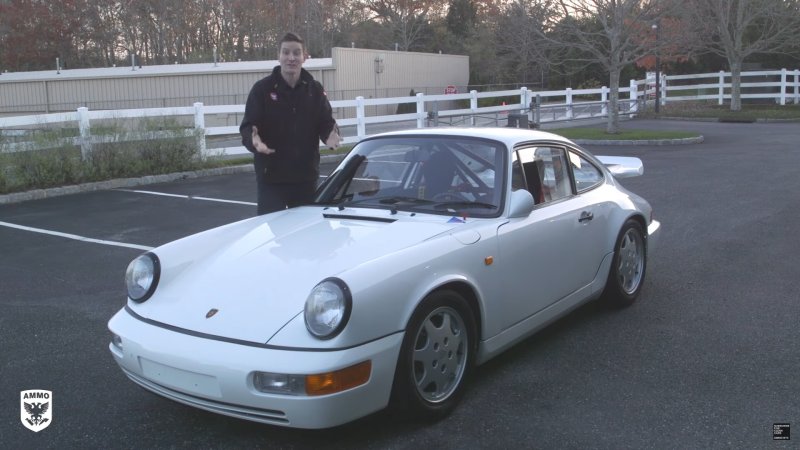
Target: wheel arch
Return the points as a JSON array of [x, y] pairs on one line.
[[469, 294], [639, 218]]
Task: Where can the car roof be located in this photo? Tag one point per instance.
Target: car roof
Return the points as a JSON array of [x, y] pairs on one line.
[[507, 135]]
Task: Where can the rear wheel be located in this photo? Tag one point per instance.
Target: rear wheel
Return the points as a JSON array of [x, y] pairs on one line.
[[436, 356], [626, 277]]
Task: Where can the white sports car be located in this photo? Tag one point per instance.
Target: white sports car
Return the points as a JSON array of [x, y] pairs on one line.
[[425, 253]]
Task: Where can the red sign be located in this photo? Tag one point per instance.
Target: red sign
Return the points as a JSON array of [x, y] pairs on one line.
[[451, 90]]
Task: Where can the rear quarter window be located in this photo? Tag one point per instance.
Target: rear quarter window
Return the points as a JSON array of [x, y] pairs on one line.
[[587, 175]]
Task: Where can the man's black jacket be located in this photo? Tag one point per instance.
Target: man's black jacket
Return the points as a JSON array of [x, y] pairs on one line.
[[291, 121]]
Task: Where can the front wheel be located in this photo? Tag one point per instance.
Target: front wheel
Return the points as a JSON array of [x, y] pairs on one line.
[[436, 356], [626, 277]]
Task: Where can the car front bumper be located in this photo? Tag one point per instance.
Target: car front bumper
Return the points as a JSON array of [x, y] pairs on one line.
[[217, 376]]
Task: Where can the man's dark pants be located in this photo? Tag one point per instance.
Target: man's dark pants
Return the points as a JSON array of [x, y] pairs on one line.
[[277, 196]]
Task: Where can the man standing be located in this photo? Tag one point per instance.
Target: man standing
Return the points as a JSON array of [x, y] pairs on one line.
[[286, 115]]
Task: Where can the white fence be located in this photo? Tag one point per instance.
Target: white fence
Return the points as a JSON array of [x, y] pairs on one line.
[[528, 108]]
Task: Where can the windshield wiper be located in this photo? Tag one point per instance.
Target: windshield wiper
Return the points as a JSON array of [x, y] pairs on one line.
[[394, 203], [400, 199]]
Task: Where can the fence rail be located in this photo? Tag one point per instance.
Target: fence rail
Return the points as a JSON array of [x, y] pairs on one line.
[[533, 108]]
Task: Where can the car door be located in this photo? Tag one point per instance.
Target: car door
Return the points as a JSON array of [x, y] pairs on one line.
[[556, 250]]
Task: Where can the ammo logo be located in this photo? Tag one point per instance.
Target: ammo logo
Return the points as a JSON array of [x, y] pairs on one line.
[[36, 409]]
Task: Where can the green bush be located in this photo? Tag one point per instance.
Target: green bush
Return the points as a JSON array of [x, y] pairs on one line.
[[47, 168], [149, 148]]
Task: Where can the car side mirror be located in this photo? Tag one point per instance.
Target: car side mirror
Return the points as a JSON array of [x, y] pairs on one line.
[[521, 204]]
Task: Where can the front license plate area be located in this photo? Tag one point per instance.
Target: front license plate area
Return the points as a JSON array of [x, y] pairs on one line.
[[180, 379]]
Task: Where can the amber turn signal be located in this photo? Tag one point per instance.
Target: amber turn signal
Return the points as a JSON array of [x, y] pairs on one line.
[[340, 380]]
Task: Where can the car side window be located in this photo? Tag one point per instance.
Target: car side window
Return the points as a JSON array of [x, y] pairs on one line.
[[543, 172], [586, 174]]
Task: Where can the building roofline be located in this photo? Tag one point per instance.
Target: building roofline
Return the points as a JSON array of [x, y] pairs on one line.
[[158, 70]]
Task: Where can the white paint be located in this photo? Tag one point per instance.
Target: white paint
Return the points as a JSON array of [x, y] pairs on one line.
[[75, 236]]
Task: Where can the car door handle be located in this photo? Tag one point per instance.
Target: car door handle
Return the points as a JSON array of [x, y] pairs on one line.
[[586, 216]]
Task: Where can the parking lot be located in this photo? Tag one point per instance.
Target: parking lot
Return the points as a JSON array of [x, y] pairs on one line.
[[708, 357]]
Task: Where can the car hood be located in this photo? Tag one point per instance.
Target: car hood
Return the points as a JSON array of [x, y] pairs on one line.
[[258, 273]]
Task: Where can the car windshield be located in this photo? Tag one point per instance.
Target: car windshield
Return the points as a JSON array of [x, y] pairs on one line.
[[432, 174]]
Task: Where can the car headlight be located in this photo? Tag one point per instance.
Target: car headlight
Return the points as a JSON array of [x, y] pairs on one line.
[[142, 277], [328, 308]]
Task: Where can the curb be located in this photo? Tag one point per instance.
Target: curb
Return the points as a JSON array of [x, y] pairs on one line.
[[684, 141]]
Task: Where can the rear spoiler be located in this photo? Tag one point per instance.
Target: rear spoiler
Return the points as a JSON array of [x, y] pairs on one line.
[[623, 166]]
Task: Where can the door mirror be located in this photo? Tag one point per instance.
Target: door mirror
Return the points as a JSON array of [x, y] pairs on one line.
[[521, 204]]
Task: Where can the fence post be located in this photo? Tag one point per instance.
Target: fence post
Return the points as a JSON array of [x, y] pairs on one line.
[[86, 132], [361, 124], [523, 98], [783, 87], [569, 103], [200, 129], [633, 107], [537, 112], [721, 87], [473, 106], [796, 86], [604, 99], [421, 116], [525, 101], [663, 90]]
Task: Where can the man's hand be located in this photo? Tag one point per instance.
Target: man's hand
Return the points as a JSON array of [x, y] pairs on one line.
[[334, 139], [259, 145]]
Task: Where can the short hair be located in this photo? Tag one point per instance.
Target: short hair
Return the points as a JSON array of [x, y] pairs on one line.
[[292, 37]]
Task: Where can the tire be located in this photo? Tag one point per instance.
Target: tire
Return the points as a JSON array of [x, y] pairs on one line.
[[436, 357], [626, 276]]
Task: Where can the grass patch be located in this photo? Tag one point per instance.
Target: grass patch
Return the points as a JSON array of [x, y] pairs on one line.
[[594, 133], [749, 112]]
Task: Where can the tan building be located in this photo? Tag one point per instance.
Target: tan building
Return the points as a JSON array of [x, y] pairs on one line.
[[349, 73]]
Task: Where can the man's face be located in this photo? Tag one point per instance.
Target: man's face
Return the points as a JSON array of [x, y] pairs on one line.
[[291, 57]]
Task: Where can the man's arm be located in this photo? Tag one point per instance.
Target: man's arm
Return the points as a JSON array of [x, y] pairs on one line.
[[253, 111], [328, 130]]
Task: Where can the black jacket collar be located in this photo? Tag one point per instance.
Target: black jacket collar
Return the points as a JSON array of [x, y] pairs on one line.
[[305, 78]]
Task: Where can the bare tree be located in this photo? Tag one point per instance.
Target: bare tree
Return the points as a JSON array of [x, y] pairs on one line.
[[407, 19], [519, 41], [611, 33], [737, 29], [257, 29]]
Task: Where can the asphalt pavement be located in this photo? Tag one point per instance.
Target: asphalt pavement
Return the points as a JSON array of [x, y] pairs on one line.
[[708, 357]]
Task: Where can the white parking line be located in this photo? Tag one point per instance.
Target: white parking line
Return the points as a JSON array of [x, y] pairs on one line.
[[75, 236], [189, 197]]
